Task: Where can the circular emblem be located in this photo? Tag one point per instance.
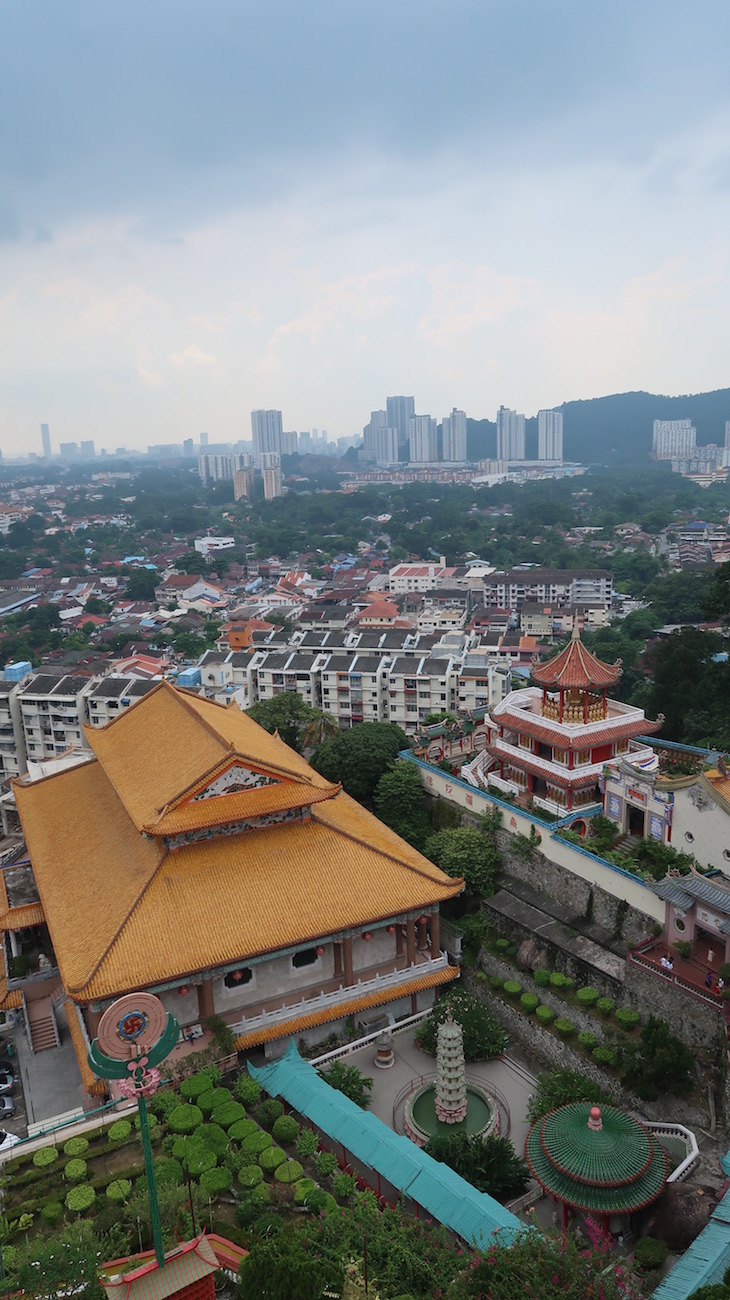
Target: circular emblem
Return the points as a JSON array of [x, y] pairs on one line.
[[131, 1026]]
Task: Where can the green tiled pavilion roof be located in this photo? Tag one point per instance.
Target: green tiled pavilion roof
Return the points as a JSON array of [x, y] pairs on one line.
[[615, 1170]]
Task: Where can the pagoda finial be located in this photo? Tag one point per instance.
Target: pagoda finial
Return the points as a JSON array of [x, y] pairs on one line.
[[576, 631], [595, 1123]]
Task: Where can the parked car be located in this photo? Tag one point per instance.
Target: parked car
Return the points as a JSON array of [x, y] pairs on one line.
[[6, 1065], [7, 1106], [7, 1139], [7, 1079]]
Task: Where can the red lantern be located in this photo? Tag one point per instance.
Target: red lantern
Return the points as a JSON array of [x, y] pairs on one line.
[[238, 975], [422, 920], [390, 929], [367, 936], [320, 950], [184, 990]]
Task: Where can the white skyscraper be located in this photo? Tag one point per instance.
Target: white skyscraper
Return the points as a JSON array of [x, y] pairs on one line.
[[46, 440], [673, 438], [727, 434], [386, 446], [268, 431], [510, 435], [399, 411], [454, 436], [271, 474], [422, 440], [378, 420], [550, 435]]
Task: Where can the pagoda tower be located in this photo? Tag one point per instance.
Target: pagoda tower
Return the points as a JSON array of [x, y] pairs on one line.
[[554, 738], [450, 1073]]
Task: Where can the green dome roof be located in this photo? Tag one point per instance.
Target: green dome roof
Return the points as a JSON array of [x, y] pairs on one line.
[[602, 1160]]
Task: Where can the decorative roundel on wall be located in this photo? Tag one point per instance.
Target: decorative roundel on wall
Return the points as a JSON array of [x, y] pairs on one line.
[[131, 1025]]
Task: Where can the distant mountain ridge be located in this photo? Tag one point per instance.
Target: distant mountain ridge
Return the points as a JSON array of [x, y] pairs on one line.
[[616, 429]]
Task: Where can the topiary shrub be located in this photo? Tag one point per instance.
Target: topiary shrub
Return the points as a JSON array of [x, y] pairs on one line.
[[481, 976], [267, 1112], [228, 1113], [325, 1163], [502, 945], [214, 1137], [261, 1194], [75, 1170], [605, 1006], [314, 1201], [247, 1090], [195, 1156], [51, 1212], [587, 1041], [215, 1181], [496, 982], [568, 983], [250, 1176], [603, 1056], [209, 1100], [168, 1172], [119, 1190], [512, 988], [185, 1119], [649, 1252], [200, 1083], [45, 1157], [557, 979], [75, 1146], [541, 977], [290, 1171], [588, 996], [545, 1015], [243, 1128], [627, 1018], [529, 1002], [564, 1027], [256, 1143], [120, 1131], [80, 1199], [163, 1103], [271, 1158], [303, 1189], [343, 1186], [307, 1142], [286, 1129], [151, 1120]]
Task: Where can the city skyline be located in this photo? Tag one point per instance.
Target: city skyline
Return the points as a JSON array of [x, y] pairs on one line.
[[201, 216]]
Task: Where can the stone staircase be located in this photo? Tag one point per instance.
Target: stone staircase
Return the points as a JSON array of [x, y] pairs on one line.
[[41, 1025]]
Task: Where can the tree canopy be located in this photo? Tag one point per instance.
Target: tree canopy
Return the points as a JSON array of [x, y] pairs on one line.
[[465, 852], [359, 757], [401, 804], [298, 724]]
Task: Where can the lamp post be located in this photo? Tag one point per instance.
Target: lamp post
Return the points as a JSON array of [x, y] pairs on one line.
[[135, 1034]]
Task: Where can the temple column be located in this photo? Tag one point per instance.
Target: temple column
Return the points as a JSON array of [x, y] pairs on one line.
[[421, 936], [338, 958], [15, 950], [410, 943], [347, 959], [206, 1004], [435, 936]]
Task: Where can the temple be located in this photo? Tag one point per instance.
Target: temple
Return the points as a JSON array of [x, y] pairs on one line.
[[199, 858], [554, 738]]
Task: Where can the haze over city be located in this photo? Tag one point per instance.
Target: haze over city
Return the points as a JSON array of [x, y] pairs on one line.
[[210, 209]]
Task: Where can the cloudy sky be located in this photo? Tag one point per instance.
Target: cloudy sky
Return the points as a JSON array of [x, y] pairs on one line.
[[210, 207]]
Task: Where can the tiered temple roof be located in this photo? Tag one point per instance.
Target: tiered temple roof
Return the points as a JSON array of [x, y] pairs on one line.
[[194, 839], [575, 667]]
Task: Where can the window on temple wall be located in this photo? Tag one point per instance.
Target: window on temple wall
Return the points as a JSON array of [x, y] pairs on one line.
[[621, 746], [307, 957], [582, 756], [525, 742], [235, 979]]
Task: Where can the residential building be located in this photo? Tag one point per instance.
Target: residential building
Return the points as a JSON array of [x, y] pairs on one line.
[[418, 577], [214, 467], [454, 436], [555, 587], [46, 442], [87, 451], [209, 545], [194, 823], [69, 450], [422, 440], [203, 440], [510, 435], [418, 685], [243, 479], [550, 435], [268, 432], [399, 411], [109, 697], [271, 474], [12, 736], [673, 438], [54, 711], [386, 446]]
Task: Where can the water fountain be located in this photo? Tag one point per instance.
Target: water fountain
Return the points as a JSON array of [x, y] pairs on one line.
[[452, 1104]]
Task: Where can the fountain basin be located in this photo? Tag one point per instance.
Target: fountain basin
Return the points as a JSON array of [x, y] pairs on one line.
[[422, 1122]]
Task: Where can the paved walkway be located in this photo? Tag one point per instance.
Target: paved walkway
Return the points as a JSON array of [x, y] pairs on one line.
[[51, 1081]]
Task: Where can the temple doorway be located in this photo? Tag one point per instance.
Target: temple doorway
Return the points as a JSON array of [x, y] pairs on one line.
[[635, 821]]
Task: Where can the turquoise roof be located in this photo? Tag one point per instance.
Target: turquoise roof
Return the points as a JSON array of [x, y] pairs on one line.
[[473, 1215], [704, 1262]]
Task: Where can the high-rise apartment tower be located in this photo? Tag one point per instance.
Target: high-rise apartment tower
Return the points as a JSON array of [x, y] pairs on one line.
[[550, 435], [454, 436], [510, 435], [46, 440]]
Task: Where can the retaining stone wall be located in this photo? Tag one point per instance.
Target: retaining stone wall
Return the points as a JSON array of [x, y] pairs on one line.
[[570, 890], [556, 1054], [548, 996], [582, 972]]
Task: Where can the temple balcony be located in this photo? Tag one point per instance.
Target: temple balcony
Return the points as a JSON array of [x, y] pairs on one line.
[[560, 772], [525, 706]]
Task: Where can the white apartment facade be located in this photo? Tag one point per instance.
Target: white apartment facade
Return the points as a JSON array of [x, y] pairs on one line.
[[510, 435], [673, 438], [550, 435], [454, 437]]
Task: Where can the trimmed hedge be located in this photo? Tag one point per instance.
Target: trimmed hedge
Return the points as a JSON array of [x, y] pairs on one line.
[[603, 1056], [45, 1156], [247, 1090], [564, 1027], [512, 988], [325, 1163], [650, 1253], [545, 1015], [588, 1041], [529, 1002], [75, 1146], [80, 1199], [587, 996], [185, 1119], [627, 1018], [288, 1172], [151, 1120], [267, 1112], [209, 1100], [502, 945], [303, 1190], [605, 1006], [168, 1172], [256, 1143], [496, 982], [250, 1175], [199, 1083], [214, 1137], [51, 1212], [120, 1131], [271, 1158], [557, 979], [243, 1128], [215, 1181], [228, 1113], [119, 1190], [286, 1129], [541, 977], [75, 1170]]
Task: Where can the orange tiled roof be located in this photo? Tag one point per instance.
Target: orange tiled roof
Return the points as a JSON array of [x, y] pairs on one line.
[[123, 913], [92, 1084], [8, 1000], [575, 666], [351, 1008], [223, 809], [19, 918]]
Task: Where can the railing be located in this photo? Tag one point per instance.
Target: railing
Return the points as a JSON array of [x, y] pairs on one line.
[[26, 1025], [307, 1005], [348, 1048], [422, 1079], [684, 1135], [705, 995]]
